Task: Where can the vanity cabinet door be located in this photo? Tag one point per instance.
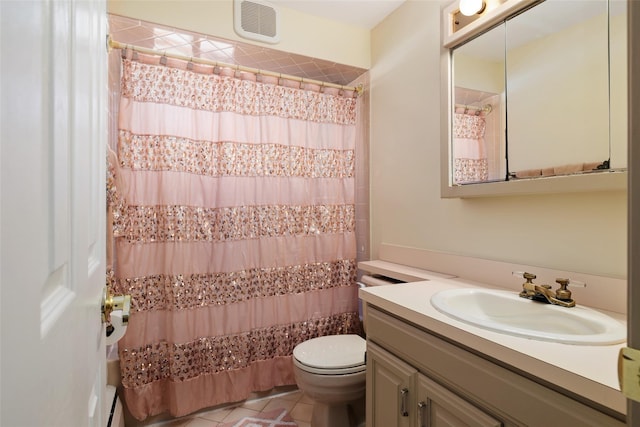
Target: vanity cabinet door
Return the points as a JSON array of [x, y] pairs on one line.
[[439, 407], [391, 400]]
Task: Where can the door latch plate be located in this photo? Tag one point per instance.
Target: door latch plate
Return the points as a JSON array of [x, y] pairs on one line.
[[629, 372]]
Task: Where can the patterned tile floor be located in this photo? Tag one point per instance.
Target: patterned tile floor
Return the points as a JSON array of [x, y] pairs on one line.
[[298, 405]]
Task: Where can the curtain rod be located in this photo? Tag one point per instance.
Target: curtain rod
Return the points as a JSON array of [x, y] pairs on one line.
[[484, 109], [112, 44]]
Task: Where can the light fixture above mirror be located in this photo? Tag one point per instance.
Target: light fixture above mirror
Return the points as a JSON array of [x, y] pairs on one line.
[[463, 17], [472, 7]]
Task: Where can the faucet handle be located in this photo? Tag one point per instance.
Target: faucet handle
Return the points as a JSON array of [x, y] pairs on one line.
[[524, 275], [570, 282], [563, 293], [528, 288]]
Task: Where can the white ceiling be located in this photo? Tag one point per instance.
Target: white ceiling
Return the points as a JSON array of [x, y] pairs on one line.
[[361, 13]]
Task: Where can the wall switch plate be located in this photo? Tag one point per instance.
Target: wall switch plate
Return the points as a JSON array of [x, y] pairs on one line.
[[629, 372]]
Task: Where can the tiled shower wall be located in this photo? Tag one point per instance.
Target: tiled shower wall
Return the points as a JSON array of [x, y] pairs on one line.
[[185, 43], [194, 45]]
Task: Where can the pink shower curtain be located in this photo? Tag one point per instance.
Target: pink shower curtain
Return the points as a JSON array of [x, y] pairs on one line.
[[469, 152], [232, 199]]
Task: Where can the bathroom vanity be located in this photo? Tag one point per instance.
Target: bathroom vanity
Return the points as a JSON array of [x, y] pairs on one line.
[[425, 368]]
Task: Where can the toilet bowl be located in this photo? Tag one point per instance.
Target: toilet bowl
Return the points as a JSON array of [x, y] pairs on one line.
[[331, 370]]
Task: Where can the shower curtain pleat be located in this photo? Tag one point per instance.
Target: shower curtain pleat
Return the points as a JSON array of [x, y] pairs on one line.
[[232, 203]]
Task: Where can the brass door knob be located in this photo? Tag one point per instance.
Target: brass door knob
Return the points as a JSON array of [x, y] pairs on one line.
[[111, 303]]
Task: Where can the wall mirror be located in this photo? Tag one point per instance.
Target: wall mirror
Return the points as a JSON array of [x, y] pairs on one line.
[[541, 94]]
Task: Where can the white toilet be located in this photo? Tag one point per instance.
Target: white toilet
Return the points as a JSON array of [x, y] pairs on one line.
[[332, 371]]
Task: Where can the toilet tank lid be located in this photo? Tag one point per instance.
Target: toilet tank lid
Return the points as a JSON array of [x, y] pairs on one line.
[[332, 351]]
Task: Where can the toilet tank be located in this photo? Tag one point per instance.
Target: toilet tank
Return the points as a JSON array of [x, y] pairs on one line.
[[377, 280], [368, 280]]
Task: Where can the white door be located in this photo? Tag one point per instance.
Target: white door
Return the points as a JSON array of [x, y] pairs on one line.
[[52, 219]]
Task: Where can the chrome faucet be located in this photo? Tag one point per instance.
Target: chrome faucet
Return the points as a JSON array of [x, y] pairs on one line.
[[544, 293]]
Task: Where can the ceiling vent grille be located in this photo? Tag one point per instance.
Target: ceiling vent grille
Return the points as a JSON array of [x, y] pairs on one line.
[[256, 20]]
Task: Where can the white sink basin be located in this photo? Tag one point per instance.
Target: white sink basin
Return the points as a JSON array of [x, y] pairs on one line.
[[507, 313]]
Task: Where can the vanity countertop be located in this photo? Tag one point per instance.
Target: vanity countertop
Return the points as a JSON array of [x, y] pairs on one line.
[[588, 371]]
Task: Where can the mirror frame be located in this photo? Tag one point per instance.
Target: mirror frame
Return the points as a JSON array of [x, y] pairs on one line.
[[602, 181]]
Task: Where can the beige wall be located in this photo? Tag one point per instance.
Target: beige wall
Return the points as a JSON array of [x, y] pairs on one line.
[[578, 232], [300, 33]]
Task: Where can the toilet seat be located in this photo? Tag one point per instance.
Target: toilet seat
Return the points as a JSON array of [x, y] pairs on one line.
[[331, 355]]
